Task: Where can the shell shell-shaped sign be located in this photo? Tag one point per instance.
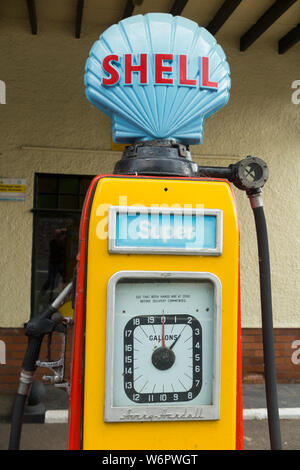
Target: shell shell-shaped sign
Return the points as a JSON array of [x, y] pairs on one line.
[[158, 77]]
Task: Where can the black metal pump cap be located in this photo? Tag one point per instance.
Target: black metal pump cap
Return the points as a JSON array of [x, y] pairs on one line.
[[157, 158]]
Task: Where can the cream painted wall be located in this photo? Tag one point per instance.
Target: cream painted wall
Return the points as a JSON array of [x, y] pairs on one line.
[[46, 108]]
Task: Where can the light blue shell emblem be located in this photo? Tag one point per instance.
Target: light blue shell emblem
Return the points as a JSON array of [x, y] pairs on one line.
[[158, 77]]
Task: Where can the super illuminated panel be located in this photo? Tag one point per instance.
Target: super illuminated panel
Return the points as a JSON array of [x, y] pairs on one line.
[[163, 346], [165, 230]]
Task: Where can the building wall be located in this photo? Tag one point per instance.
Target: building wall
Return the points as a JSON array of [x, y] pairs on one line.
[[47, 125]]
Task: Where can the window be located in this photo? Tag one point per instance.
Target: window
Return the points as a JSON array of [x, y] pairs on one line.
[[58, 200]]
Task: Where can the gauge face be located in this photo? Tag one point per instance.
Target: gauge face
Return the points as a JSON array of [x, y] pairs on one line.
[[163, 346], [162, 358]]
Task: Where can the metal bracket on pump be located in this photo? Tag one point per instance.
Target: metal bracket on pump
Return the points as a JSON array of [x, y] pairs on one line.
[[250, 174], [157, 157], [57, 367], [169, 158]]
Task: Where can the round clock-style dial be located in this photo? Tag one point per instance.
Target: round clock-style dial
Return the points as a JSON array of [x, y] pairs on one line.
[[162, 358]]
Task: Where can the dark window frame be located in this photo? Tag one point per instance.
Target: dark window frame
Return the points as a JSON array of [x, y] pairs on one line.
[[59, 211]]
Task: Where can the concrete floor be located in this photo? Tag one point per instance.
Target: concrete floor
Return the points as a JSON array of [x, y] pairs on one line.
[[36, 436]]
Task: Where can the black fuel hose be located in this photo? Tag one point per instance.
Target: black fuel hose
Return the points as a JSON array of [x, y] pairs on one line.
[[250, 175], [267, 321], [36, 329], [35, 337], [17, 422]]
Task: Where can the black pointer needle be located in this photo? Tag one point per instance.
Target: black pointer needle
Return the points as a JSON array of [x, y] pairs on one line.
[[174, 342]]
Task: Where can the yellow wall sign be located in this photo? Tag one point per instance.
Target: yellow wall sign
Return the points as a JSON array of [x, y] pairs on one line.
[[12, 189]]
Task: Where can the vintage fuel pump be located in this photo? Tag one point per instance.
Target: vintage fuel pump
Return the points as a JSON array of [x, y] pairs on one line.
[[157, 334]]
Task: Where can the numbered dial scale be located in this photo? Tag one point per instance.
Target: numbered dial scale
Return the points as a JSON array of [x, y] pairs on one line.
[[162, 358], [163, 346]]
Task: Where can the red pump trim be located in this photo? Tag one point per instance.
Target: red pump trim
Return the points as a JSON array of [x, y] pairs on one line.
[[239, 389], [76, 395]]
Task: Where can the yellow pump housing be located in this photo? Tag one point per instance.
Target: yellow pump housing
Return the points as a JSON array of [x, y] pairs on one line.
[[103, 268]]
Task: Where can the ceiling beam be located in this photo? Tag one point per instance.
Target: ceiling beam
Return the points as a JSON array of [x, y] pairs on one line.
[[178, 7], [222, 15], [289, 40], [78, 21], [264, 22], [32, 15], [129, 7]]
